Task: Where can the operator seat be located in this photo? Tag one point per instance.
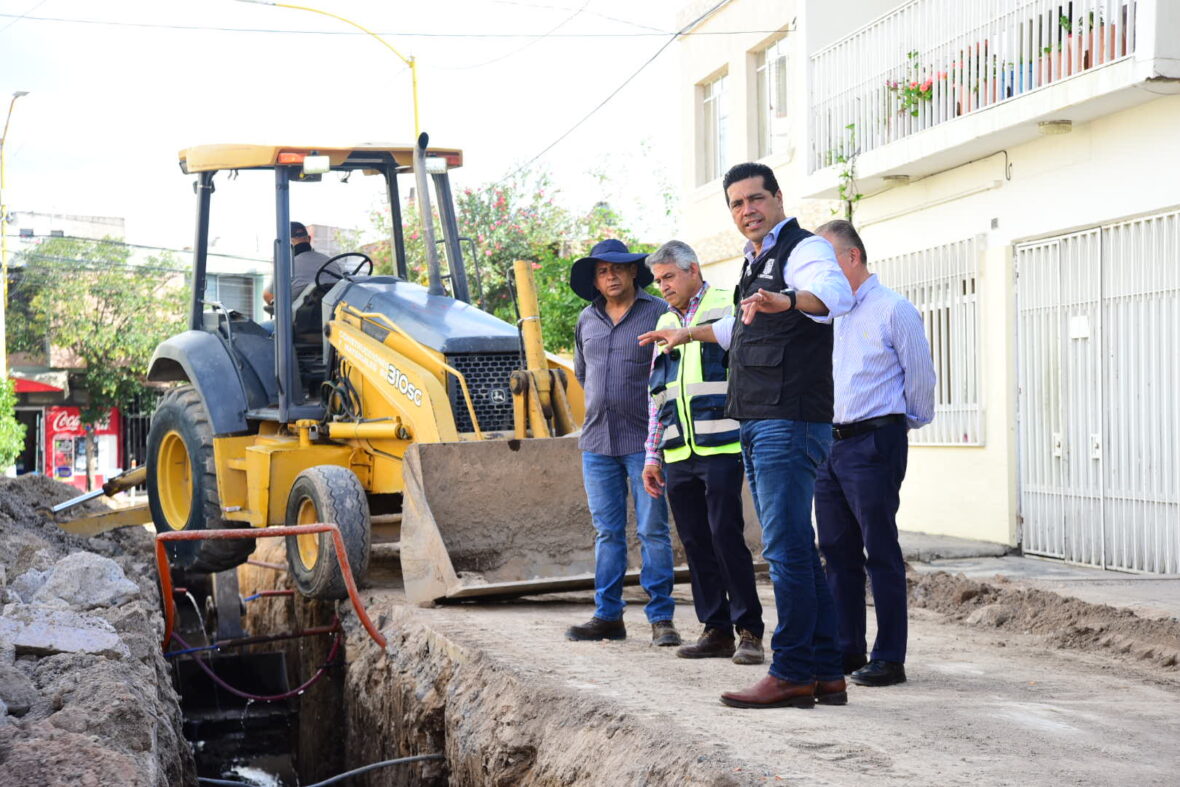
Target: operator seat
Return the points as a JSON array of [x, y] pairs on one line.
[[308, 333]]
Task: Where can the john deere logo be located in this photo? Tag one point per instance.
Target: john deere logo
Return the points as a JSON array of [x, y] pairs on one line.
[[498, 395]]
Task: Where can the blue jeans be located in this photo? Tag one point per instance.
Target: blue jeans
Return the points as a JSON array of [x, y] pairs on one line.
[[607, 479], [781, 459]]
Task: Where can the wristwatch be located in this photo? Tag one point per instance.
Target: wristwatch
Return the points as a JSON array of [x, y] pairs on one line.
[[790, 293]]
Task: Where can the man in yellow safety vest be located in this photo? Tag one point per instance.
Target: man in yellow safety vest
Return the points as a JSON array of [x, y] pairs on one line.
[[694, 451]]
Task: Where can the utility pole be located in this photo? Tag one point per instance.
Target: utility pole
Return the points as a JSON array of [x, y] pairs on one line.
[[4, 246]]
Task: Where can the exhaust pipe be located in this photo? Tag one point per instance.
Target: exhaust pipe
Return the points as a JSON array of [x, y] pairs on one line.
[[426, 215]]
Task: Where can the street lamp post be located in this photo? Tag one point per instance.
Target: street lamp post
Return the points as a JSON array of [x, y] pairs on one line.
[[4, 245], [409, 61]]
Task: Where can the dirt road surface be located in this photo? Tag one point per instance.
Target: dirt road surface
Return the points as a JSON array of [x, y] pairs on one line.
[[982, 706]]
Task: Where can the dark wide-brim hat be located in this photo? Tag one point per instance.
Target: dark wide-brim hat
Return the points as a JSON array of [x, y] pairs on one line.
[[611, 250]]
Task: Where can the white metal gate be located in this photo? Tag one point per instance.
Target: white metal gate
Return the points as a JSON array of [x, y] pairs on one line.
[[1099, 386]]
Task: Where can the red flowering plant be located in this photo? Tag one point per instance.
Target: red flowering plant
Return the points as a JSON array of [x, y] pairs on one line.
[[515, 219], [914, 87]]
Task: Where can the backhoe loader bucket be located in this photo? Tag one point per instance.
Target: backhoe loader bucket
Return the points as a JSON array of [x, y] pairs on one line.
[[495, 518]]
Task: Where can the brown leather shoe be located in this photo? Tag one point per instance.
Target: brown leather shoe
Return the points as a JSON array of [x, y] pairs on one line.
[[749, 649], [771, 692], [712, 644], [831, 692]]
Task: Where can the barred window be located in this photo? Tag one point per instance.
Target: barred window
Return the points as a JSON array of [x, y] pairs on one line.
[[233, 292], [942, 283]]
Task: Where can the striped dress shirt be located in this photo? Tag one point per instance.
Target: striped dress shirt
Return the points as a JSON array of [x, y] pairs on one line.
[[655, 429], [613, 369], [881, 363]]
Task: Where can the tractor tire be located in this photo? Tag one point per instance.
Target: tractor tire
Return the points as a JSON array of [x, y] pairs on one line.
[[182, 484], [327, 493]]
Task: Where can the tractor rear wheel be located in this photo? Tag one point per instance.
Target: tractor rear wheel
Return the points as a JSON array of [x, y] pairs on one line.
[[333, 494], [182, 484]]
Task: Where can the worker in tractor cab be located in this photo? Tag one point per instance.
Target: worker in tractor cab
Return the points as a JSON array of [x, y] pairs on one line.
[[694, 452], [306, 262]]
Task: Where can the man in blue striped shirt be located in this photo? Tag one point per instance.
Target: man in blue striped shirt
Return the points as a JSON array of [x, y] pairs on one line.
[[613, 370], [884, 386]]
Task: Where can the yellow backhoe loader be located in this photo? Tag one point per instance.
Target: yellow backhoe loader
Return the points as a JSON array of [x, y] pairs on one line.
[[376, 403]]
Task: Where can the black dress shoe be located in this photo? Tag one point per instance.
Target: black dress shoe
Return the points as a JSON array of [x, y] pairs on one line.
[[597, 629], [879, 673], [853, 663]]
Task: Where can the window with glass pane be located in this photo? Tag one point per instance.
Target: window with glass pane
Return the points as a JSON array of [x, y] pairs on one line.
[[770, 67], [232, 292], [713, 129]]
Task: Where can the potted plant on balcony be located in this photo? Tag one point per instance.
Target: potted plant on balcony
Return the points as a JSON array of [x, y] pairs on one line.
[[909, 96], [1070, 46], [1101, 39], [913, 89]]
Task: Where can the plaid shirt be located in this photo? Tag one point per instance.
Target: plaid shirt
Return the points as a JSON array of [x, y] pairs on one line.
[[655, 429]]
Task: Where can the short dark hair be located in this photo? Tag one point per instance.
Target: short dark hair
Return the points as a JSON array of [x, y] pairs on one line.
[[750, 169], [847, 233], [298, 230]]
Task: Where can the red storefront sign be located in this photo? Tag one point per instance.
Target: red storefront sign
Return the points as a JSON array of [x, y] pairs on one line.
[[65, 446]]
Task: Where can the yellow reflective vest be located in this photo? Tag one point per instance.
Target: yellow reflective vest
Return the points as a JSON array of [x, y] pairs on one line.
[[688, 385]]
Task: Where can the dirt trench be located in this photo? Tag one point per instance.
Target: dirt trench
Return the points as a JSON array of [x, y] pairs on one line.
[[1061, 622], [458, 680], [85, 693], [496, 722]]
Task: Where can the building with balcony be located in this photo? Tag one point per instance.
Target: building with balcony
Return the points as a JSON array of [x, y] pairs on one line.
[[1012, 167]]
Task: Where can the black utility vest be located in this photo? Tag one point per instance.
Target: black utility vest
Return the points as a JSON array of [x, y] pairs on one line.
[[780, 365]]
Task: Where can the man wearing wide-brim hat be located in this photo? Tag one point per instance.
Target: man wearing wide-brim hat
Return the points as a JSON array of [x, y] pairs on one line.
[[613, 370]]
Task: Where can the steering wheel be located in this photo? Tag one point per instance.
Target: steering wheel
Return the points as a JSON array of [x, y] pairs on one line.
[[338, 276]]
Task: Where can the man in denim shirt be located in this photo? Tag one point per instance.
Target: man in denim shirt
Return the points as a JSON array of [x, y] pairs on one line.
[[613, 370]]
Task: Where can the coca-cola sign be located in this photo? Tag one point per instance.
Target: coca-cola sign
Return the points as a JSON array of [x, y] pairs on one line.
[[68, 420], [65, 421]]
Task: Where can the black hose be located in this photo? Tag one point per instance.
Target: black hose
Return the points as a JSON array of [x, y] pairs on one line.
[[375, 766]]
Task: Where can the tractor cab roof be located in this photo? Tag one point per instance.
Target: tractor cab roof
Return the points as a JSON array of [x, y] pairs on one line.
[[205, 158]]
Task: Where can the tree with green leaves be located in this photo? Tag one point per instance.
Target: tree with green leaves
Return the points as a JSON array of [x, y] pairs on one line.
[[518, 219], [12, 431], [89, 299]]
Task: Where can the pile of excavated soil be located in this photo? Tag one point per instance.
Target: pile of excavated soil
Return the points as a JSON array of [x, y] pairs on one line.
[[85, 693], [1065, 623]]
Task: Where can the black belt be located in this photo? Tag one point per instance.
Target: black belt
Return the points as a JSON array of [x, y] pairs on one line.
[[844, 431]]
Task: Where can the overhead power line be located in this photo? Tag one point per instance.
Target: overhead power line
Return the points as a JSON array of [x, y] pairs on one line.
[[400, 33], [116, 242], [17, 17], [577, 12], [672, 37], [587, 12]]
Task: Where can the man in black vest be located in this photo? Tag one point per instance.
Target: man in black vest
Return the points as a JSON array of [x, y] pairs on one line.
[[780, 389]]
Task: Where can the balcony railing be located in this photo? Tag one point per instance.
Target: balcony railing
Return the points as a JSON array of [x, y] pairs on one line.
[[931, 61]]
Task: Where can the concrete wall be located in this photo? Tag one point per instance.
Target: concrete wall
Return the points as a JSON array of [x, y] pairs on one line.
[[705, 221], [828, 22], [1117, 165]]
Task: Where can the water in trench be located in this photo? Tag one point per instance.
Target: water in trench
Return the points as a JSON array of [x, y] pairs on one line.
[[233, 737]]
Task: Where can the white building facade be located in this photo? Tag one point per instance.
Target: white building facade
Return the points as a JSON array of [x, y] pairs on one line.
[[1013, 169]]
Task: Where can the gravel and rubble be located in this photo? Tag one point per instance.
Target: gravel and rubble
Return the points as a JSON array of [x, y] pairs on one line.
[[1061, 622], [85, 694]]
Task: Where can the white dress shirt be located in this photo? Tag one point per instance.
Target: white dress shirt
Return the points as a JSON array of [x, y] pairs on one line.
[[811, 266]]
